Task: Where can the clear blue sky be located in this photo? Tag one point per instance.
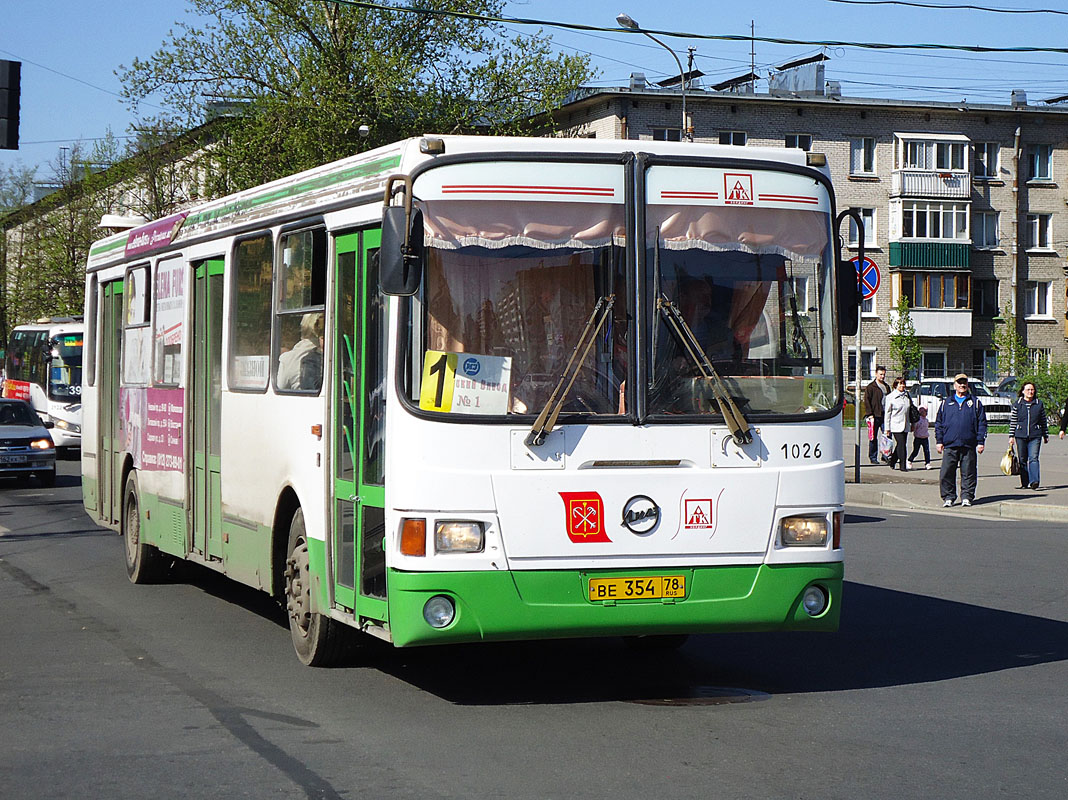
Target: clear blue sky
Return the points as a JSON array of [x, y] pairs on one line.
[[70, 51]]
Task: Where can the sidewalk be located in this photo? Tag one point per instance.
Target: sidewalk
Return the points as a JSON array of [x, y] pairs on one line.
[[997, 495]]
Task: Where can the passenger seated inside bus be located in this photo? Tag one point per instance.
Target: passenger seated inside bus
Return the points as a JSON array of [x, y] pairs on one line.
[[301, 368]]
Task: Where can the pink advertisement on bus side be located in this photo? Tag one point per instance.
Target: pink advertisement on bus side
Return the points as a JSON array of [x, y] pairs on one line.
[[152, 427]]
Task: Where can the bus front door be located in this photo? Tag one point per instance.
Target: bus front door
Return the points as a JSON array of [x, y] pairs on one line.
[[205, 415], [358, 558], [109, 447]]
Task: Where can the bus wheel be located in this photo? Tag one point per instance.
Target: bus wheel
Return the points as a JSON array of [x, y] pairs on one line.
[[144, 563], [318, 640]]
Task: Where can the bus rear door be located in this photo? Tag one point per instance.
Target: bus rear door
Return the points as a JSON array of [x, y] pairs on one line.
[[205, 414]]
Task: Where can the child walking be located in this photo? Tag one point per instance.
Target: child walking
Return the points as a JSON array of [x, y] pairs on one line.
[[920, 435]]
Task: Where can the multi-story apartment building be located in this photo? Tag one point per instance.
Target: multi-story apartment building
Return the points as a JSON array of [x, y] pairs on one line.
[[964, 204]]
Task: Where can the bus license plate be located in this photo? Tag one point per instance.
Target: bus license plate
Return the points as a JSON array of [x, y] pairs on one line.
[[12, 459], [650, 587]]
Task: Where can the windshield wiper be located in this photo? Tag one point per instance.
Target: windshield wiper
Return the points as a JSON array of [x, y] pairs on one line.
[[543, 425], [737, 424]]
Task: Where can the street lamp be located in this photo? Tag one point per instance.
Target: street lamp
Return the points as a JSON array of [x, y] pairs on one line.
[[626, 21]]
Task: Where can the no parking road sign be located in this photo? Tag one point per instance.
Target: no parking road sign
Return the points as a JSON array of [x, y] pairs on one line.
[[867, 278]]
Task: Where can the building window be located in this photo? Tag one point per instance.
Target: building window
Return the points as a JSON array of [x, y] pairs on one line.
[[868, 216], [1040, 358], [1038, 297], [985, 297], [916, 155], [1038, 231], [933, 155], [949, 155], [799, 283], [985, 228], [867, 307], [933, 365], [933, 290], [802, 141], [922, 219], [986, 160], [862, 156], [985, 365], [667, 134], [736, 138], [1039, 162], [867, 365]]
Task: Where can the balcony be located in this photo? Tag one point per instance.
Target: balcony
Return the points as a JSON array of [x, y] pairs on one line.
[[940, 323], [933, 255], [953, 185]]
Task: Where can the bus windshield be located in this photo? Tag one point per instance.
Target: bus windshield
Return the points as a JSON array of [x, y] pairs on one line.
[[65, 371], [516, 284], [753, 285], [510, 290]]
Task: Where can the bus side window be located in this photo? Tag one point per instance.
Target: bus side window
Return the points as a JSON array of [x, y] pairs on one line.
[[91, 327], [250, 313], [169, 329], [137, 333], [300, 312]]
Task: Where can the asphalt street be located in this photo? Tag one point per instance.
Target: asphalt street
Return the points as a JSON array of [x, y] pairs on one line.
[[946, 680]]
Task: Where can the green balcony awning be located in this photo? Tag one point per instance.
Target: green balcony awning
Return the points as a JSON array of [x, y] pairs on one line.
[[930, 255]]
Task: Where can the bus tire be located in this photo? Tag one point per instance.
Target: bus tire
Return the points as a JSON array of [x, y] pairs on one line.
[[144, 563], [318, 640]]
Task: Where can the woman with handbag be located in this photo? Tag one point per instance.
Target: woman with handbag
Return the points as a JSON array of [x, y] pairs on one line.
[[896, 420], [1027, 427]]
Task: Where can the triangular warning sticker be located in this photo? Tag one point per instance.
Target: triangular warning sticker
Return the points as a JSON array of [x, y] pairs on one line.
[[739, 193]]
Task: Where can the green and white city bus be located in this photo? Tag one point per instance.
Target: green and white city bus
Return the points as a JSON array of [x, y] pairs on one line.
[[43, 366], [463, 389]]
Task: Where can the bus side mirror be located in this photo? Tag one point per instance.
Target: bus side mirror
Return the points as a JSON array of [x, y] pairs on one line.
[[401, 254], [848, 299]]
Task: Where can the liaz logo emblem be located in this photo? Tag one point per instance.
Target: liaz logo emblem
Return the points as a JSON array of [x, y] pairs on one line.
[[641, 514], [738, 188], [585, 517]]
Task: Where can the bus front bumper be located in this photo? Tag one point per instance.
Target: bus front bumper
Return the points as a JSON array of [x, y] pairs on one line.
[[497, 606]]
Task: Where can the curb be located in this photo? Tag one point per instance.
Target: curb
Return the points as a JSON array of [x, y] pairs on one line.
[[1005, 509]]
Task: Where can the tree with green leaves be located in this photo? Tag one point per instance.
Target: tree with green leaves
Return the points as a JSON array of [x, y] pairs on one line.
[[307, 74], [1012, 351], [905, 350]]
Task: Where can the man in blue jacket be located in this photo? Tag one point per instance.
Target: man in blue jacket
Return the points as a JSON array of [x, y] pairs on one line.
[[960, 435]]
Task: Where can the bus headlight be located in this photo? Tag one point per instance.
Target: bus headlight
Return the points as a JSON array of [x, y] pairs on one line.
[[42, 444], [439, 612], [67, 426], [459, 537], [804, 531]]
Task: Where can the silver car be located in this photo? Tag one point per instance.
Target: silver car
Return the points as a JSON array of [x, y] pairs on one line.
[[26, 447]]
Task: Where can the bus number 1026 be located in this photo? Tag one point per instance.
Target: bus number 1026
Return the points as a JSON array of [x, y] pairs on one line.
[[803, 450]]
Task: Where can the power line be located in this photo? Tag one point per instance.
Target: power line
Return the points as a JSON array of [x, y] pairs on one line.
[[951, 7], [70, 77], [691, 35]]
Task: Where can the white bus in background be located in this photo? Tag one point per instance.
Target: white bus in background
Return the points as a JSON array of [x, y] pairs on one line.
[[43, 365], [568, 387]]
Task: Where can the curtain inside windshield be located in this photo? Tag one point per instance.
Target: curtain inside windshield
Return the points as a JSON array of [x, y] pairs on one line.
[[509, 289], [752, 284]]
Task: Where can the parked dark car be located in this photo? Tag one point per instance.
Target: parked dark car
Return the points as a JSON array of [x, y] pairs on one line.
[[26, 447], [1008, 388]]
